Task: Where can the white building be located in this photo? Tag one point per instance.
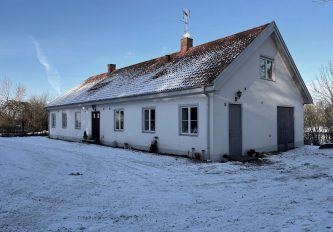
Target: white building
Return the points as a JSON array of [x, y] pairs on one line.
[[227, 96]]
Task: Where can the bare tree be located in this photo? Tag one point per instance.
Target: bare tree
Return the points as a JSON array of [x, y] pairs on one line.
[[12, 106], [38, 116], [5, 89], [313, 123], [318, 119], [20, 92], [19, 115], [322, 87]]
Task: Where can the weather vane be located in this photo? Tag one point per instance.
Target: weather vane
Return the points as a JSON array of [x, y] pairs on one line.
[[186, 20]]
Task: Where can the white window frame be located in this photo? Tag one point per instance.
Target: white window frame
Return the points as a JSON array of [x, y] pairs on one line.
[[117, 127], [53, 120], [64, 120], [266, 77], [77, 120], [189, 120], [150, 130]]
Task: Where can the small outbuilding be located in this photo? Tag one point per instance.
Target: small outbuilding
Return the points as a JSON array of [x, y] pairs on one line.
[[223, 97]]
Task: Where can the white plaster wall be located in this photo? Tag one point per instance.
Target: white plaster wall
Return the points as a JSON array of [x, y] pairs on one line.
[[259, 104], [70, 132], [259, 114], [167, 125]]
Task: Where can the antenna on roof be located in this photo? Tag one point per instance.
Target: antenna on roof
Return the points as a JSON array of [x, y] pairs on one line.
[[186, 20]]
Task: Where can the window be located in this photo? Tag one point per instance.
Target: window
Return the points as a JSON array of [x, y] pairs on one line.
[[119, 120], [53, 120], [64, 120], [266, 68], [149, 120], [77, 120], [189, 120]]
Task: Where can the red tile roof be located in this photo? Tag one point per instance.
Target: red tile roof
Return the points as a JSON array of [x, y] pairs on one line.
[[197, 67]]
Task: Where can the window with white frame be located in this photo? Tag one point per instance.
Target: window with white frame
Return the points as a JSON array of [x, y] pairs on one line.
[[77, 120], [266, 68], [189, 120], [119, 120], [149, 120], [53, 120], [64, 120]]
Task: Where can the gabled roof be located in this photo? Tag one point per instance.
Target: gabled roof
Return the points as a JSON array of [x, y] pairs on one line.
[[197, 67], [273, 32]]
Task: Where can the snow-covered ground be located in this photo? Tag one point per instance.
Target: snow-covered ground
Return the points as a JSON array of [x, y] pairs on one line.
[[122, 190]]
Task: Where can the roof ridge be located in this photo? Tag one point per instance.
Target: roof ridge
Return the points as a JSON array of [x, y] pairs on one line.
[[233, 35], [197, 46]]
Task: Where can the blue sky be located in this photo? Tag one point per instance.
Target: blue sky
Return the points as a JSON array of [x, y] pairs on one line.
[[50, 46]]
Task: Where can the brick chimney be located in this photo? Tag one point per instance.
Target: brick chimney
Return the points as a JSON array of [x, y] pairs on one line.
[[111, 68], [186, 43]]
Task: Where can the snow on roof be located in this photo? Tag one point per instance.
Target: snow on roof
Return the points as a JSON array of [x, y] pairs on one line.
[[196, 67]]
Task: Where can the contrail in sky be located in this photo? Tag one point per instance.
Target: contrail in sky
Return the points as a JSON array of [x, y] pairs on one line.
[[52, 74]]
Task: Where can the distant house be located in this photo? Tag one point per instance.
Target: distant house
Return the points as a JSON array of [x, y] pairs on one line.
[[227, 96]]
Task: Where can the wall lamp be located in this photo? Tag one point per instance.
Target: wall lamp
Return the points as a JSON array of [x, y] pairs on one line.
[[238, 95]]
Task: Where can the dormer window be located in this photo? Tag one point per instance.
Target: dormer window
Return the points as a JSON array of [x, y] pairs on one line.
[[266, 68]]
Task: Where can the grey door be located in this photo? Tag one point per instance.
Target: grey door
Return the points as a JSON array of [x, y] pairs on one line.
[[285, 128], [235, 130]]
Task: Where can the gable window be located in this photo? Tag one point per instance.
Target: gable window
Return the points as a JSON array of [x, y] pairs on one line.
[[189, 120], [77, 120], [119, 120], [266, 68], [53, 120], [149, 120], [64, 120]]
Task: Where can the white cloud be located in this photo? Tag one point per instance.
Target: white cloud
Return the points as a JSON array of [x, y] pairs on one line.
[[130, 53], [53, 76]]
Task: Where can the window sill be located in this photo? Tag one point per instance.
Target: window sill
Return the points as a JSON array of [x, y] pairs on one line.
[[266, 79], [118, 130], [191, 135], [149, 132]]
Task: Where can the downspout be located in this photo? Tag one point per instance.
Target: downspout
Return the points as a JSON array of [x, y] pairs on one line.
[[208, 124]]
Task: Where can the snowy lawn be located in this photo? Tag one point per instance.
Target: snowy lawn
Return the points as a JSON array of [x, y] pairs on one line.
[[122, 190]]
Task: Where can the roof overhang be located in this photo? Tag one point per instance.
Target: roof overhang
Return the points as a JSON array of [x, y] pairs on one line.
[[288, 60], [169, 94]]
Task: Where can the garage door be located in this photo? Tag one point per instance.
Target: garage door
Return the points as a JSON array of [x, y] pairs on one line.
[[285, 128]]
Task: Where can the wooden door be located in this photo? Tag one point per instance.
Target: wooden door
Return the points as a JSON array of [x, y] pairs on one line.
[[95, 125]]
